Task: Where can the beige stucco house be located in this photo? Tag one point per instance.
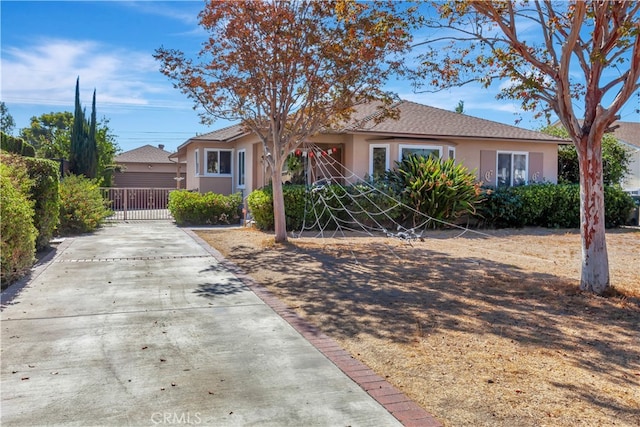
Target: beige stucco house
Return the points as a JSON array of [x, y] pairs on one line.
[[231, 160]]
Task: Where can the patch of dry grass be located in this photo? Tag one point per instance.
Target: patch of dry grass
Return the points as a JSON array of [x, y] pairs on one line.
[[479, 330]]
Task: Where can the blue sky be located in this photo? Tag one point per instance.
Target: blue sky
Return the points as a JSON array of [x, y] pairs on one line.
[[46, 45]]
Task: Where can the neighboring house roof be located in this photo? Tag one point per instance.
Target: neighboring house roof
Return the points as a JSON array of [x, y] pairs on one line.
[[628, 132], [145, 154], [415, 120]]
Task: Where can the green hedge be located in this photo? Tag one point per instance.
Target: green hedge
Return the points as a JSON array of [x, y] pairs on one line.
[[548, 205], [18, 234], [191, 208], [44, 192], [617, 206], [541, 205], [14, 145], [82, 207], [260, 203]]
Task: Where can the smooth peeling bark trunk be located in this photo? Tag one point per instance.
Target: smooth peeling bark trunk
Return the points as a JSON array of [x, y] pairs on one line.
[[279, 217], [595, 259]]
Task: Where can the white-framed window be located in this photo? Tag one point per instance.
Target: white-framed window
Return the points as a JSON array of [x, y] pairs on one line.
[[452, 152], [218, 162], [421, 150], [512, 168], [242, 155], [378, 160], [197, 161]]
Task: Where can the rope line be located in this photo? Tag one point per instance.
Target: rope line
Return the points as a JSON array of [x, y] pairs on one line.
[[359, 194]]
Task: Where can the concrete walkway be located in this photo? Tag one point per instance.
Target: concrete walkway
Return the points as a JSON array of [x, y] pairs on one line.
[[143, 324]]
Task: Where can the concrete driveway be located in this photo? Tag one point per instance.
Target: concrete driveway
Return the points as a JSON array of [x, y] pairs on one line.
[[140, 324]]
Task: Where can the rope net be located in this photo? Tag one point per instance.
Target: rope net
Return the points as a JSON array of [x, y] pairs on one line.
[[339, 202]]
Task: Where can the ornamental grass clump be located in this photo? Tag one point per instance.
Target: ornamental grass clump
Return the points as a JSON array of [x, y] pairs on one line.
[[440, 189]]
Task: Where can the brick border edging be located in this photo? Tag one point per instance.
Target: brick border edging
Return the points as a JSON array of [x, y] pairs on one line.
[[409, 413]]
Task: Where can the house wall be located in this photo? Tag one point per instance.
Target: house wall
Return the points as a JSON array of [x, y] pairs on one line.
[[190, 182], [251, 148], [146, 175], [197, 180], [543, 158], [354, 153], [631, 181], [149, 167], [145, 180], [258, 168], [215, 185], [546, 155]]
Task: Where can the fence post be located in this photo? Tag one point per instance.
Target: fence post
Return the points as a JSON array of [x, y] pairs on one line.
[[124, 204]]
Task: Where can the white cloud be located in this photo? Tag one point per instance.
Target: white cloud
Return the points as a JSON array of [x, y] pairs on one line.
[[45, 73], [187, 16]]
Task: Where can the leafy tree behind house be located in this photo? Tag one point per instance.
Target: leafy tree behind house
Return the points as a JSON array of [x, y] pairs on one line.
[[7, 124], [588, 53], [50, 134], [287, 69], [615, 158]]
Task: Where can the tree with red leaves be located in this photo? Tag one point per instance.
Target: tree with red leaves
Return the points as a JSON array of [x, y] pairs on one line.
[[287, 69]]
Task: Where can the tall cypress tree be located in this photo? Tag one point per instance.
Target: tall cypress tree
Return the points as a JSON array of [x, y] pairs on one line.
[[77, 135], [84, 149], [91, 147]]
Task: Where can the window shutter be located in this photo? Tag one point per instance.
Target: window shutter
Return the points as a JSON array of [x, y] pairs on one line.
[[536, 165], [488, 167]]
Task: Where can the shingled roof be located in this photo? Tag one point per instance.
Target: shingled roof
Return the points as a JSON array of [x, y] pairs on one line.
[[145, 154], [425, 121], [415, 120], [628, 132]]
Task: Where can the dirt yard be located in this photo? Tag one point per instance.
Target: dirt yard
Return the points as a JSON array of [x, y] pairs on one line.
[[480, 330]]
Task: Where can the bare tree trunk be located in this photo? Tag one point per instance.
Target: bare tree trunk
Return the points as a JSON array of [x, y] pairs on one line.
[[279, 217], [595, 260]]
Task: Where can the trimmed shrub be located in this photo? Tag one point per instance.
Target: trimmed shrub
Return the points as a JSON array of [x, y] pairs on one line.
[[18, 234], [540, 205], [260, 204], [549, 205], [18, 146], [82, 207], [44, 192], [501, 208], [617, 206], [298, 202], [190, 208]]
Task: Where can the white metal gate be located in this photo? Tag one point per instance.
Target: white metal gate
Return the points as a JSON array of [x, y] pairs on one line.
[[138, 203]]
